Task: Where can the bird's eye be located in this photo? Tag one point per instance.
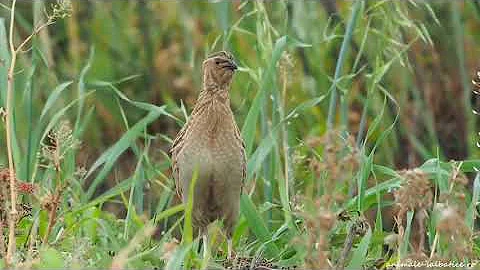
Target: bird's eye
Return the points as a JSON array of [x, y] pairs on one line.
[[217, 62]]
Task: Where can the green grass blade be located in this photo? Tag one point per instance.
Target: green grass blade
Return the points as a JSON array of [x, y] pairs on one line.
[[82, 87], [28, 112], [121, 187], [266, 144], [341, 59], [258, 226], [57, 116], [177, 261], [52, 98], [141, 105], [406, 238], [131, 204], [249, 127], [359, 256], [470, 165], [187, 238], [109, 157], [169, 212], [371, 193]]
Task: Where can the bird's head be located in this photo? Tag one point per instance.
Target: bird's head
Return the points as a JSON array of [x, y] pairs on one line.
[[218, 70]]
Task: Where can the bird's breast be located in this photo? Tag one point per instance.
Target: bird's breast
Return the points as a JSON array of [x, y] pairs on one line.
[[212, 141]]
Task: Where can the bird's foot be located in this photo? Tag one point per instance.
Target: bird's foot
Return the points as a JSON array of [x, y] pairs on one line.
[[205, 246], [230, 253]]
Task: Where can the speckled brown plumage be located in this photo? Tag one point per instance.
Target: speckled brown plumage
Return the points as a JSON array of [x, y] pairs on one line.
[[210, 143]]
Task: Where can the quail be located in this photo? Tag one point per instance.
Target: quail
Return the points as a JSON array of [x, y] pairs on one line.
[[211, 146]]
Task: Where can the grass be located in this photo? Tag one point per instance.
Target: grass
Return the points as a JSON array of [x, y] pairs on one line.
[[364, 180]]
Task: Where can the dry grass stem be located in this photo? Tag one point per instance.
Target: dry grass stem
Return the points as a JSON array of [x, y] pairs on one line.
[[60, 10], [12, 219]]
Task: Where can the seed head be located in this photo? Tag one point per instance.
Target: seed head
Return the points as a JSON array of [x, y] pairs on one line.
[[415, 192]]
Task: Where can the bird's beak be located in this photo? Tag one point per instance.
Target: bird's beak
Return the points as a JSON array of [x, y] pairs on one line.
[[232, 65]]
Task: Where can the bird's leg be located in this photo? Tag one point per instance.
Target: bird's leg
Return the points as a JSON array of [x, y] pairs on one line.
[[205, 244], [229, 248]]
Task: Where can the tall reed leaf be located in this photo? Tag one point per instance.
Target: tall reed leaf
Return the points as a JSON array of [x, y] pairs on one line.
[[257, 225], [82, 88], [250, 126], [340, 61], [109, 157]]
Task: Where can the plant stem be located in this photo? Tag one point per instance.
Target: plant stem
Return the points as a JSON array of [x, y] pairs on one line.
[[3, 252], [13, 215], [12, 218], [52, 216], [286, 148], [340, 61]]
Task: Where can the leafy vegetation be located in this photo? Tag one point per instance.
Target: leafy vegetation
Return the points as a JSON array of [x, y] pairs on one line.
[[358, 119]]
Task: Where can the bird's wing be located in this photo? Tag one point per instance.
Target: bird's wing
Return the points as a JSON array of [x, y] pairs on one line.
[[179, 142], [177, 146], [238, 135]]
